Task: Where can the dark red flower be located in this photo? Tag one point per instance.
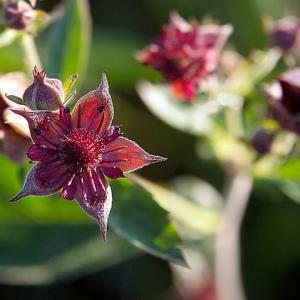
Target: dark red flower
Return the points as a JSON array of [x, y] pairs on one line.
[[186, 53], [286, 33], [284, 96], [76, 150]]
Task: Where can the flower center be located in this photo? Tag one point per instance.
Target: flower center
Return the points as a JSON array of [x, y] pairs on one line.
[[81, 149]]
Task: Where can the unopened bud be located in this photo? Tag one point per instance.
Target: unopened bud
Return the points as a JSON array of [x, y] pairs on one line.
[[262, 141], [285, 33], [18, 15], [44, 93]]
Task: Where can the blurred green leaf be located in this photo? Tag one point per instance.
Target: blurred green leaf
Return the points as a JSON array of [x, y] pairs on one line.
[[116, 48], [12, 59], [7, 37], [291, 189], [250, 72], [42, 254], [192, 118], [287, 178], [289, 170], [198, 191], [69, 44], [135, 216], [201, 219]]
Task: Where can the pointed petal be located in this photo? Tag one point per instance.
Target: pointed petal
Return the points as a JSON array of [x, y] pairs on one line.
[[65, 117], [43, 179], [45, 127], [178, 22], [95, 198], [127, 155], [38, 152], [112, 172], [69, 189], [112, 133], [94, 111]]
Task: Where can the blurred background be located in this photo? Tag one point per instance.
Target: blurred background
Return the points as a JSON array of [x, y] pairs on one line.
[[271, 227]]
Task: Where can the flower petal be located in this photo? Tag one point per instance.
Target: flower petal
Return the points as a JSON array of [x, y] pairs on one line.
[[69, 189], [38, 152], [287, 121], [112, 133], [112, 172], [290, 86], [127, 155], [45, 127], [44, 179], [94, 111], [94, 197]]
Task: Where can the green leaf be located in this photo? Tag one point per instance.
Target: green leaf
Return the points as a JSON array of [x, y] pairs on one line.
[[15, 99], [286, 178], [135, 216], [291, 189], [193, 118], [251, 71], [36, 254], [70, 39], [139, 219], [289, 170], [201, 219], [70, 82]]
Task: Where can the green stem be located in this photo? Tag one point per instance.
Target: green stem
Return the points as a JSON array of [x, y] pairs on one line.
[[227, 250], [31, 53]]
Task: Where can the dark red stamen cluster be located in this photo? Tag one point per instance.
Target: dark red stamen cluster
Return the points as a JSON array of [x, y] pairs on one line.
[[81, 149]]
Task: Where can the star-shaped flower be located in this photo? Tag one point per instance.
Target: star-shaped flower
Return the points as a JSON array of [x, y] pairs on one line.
[[76, 150]]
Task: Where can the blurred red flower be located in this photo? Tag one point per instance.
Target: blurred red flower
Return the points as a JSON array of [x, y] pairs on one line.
[[186, 53]]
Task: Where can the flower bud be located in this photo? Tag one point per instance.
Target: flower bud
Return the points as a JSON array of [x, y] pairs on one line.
[[285, 33], [262, 141], [44, 93], [284, 97], [18, 15]]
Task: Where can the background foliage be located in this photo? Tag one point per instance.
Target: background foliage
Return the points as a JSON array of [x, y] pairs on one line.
[[49, 247]]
